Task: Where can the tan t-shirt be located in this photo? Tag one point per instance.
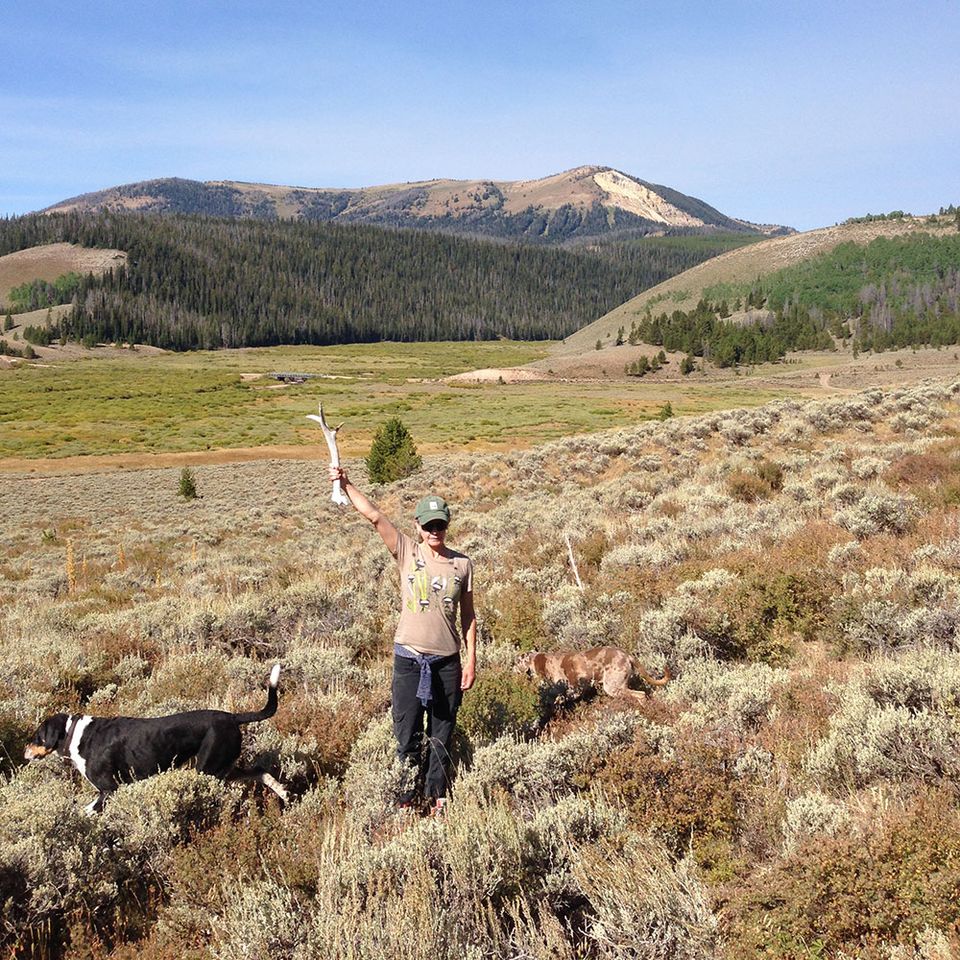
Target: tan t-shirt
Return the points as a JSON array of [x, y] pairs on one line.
[[430, 592]]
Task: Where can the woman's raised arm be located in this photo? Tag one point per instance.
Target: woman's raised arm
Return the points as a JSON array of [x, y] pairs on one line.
[[367, 508]]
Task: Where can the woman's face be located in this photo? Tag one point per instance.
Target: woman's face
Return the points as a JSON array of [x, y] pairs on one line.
[[433, 533]]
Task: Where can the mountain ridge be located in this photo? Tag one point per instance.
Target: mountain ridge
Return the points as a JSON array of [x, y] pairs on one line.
[[590, 201]]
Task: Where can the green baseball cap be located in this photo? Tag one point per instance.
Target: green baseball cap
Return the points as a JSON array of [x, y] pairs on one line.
[[432, 508]]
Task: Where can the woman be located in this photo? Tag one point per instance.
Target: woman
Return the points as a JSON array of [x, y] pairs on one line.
[[429, 676]]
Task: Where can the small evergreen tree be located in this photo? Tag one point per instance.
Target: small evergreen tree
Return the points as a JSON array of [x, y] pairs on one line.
[[393, 454], [7, 323], [687, 365], [188, 487]]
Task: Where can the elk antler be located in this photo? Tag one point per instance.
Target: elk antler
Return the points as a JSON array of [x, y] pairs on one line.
[[330, 435]]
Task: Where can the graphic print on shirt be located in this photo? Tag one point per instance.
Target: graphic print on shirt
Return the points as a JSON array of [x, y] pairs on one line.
[[421, 586]]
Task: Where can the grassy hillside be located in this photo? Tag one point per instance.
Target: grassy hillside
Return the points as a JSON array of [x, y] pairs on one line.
[[50, 262], [743, 267], [791, 794]]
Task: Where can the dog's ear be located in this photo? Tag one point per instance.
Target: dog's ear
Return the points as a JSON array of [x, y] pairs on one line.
[[52, 731], [538, 663]]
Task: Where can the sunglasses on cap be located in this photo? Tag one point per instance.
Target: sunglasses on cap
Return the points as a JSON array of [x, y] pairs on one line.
[[435, 526]]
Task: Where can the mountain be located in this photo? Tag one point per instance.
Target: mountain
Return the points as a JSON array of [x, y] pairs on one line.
[[587, 202]]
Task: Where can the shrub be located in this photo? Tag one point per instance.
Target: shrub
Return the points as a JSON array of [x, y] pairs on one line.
[[262, 919], [57, 865], [152, 816], [393, 454], [771, 473], [810, 815], [747, 487], [643, 907], [318, 735], [878, 512], [855, 893], [515, 616], [500, 704], [735, 696], [895, 723], [924, 470], [766, 608], [760, 484], [375, 779], [683, 798], [14, 733], [202, 873], [534, 772]]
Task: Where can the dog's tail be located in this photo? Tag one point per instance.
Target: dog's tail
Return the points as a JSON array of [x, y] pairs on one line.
[[271, 708], [650, 681]]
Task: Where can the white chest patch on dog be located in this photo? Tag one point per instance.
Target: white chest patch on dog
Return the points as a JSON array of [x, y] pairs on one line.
[[73, 747]]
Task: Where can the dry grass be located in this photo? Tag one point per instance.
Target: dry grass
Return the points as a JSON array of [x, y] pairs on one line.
[[813, 632]]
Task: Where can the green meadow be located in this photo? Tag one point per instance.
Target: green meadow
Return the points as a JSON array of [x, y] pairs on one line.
[[226, 399]]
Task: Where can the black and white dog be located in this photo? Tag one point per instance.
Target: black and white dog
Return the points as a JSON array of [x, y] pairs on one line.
[[109, 751]]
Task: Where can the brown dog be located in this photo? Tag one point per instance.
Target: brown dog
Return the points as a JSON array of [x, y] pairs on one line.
[[607, 668]]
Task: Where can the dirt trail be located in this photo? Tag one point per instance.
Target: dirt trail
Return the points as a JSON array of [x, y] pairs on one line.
[[146, 461], [104, 463]]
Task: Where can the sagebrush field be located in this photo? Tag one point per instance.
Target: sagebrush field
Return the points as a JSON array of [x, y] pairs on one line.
[[791, 794]]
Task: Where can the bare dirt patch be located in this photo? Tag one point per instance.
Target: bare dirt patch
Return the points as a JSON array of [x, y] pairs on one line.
[[50, 261], [142, 461], [500, 374], [605, 364]]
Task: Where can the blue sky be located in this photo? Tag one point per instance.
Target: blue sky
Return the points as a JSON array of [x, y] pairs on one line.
[[802, 113]]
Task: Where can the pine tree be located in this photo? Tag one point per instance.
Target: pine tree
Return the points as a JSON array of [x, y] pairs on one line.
[[8, 323], [393, 454], [188, 487]]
